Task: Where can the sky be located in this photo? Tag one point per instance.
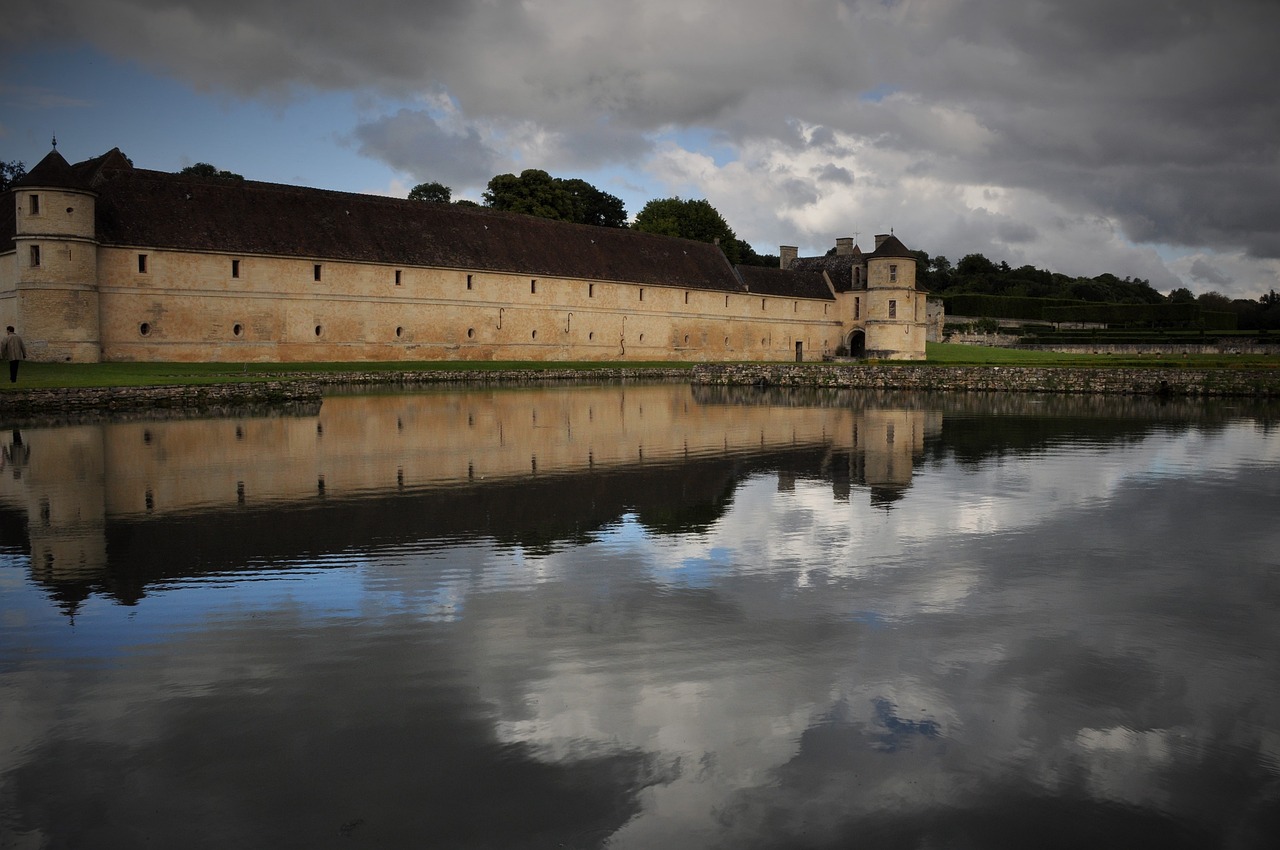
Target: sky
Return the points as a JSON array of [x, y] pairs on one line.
[[1140, 138]]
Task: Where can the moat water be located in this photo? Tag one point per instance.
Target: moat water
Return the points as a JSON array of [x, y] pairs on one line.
[[645, 616]]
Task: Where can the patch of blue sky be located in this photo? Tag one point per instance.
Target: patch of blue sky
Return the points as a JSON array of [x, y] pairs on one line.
[[875, 94], [701, 140], [94, 103]]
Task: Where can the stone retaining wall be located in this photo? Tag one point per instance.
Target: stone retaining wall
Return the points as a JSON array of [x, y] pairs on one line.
[[284, 390], [1021, 379]]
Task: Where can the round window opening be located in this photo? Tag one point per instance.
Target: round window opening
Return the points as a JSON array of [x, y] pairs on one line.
[[318, 329], [642, 337], [591, 335], [144, 328], [686, 339], [237, 329], [535, 335], [399, 331], [471, 333]]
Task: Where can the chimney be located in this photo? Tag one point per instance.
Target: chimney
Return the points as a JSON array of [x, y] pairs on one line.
[[844, 245], [787, 253], [880, 237]]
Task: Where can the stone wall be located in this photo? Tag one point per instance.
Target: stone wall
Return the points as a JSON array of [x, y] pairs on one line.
[[1168, 381]]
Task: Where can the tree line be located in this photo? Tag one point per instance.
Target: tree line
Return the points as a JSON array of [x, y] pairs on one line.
[[975, 274], [535, 192]]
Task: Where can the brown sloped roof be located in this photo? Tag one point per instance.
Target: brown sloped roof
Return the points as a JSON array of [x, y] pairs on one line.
[[892, 247], [52, 172], [138, 207], [839, 267], [762, 280]]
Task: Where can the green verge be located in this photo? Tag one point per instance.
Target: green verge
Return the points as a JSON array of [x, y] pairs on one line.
[[950, 354], [72, 375]]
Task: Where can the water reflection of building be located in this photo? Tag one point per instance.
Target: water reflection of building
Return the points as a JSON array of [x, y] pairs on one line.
[[532, 464]]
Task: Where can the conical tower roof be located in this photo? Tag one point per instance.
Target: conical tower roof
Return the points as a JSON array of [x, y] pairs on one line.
[[52, 172]]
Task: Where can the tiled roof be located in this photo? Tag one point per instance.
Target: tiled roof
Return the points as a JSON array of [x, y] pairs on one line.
[[891, 247], [52, 172], [839, 267], [785, 282], [163, 210]]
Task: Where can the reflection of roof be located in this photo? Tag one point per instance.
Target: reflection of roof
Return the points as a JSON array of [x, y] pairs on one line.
[[770, 281]]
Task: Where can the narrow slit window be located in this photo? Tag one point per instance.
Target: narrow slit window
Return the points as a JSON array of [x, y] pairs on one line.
[[468, 281], [397, 277], [533, 287], [686, 297], [893, 309], [235, 268], [591, 290], [35, 205], [893, 273], [142, 264], [35, 256], [642, 293], [857, 308], [315, 272]]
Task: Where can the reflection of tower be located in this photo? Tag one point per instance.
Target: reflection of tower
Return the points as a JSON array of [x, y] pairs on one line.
[[63, 491], [885, 445]]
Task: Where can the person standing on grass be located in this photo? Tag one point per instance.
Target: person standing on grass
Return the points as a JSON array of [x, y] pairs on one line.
[[14, 351]]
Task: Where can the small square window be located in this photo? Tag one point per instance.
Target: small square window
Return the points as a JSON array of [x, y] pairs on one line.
[[35, 205], [315, 272], [235, 268], [142, 264], [35, 256]]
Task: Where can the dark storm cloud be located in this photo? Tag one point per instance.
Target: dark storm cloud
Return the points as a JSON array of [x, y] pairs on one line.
[[414, 142], [1158, 114]]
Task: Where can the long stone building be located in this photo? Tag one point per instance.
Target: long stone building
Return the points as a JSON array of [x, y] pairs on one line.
[[102, 261]]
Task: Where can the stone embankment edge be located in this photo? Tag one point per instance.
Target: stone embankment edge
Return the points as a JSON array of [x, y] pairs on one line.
[[295, 388], [308, 388], [1251, 383]]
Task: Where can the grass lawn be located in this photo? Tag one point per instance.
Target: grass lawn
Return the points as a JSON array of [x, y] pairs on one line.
[[62, 375], [943, 353]]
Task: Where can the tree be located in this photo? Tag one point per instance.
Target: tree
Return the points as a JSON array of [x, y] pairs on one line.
[[690, 219], [10, 173], [1181, 295], [435, 193], [592, 206], [204, 169], [535, 192]]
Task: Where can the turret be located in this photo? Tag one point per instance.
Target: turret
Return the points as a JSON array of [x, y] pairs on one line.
[[56, 308], [895, 317]]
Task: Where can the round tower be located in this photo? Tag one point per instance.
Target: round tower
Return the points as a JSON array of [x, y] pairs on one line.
[[895, 323], [56, 286]]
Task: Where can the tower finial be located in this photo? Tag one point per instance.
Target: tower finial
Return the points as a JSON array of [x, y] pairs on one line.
[[55, 141]]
